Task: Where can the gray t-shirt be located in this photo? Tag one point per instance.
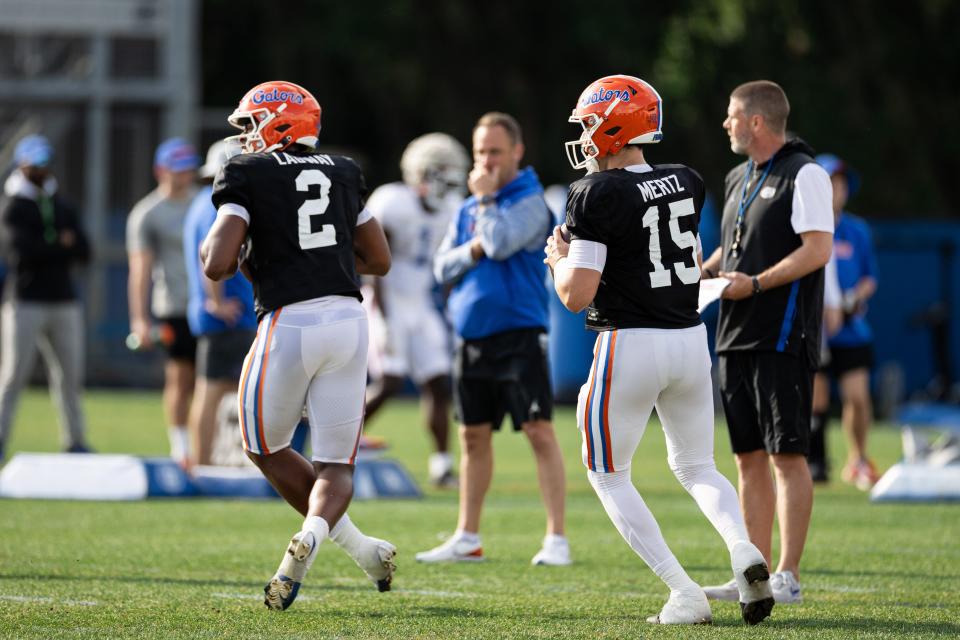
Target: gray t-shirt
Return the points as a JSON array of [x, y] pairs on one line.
[[156, 225]]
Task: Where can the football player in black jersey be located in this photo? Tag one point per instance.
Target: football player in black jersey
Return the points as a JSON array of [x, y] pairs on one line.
[[630, 254], [294, 221]]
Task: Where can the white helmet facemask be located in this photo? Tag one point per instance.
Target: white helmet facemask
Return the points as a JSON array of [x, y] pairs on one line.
[[583, 153], [252, 123], [438, 163], [442, 183]]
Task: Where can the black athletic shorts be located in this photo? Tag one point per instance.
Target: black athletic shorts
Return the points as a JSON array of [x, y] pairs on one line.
[[505, 373], [220, 355], [767, 399], [845, 359], [180, 345]]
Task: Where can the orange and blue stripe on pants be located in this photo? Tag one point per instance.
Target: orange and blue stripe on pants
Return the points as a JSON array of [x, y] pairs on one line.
[[251, 387], [596, 414]]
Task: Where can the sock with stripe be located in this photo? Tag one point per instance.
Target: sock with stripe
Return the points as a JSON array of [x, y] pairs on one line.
[[639, 528]]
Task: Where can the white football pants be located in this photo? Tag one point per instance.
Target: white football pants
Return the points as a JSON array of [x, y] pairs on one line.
[[311, 354], [635, 371]]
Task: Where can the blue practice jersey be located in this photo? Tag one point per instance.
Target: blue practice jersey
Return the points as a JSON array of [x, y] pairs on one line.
[[196, 226], [856, 259]]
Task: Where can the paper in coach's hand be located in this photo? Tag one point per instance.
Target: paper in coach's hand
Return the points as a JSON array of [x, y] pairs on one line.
[[710, 290]]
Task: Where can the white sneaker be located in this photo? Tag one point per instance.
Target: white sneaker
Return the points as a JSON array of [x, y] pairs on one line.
[[726, 591], [282, 589], [378, 563], [753, 582], [555, 552], [453, 550], [684, 608], [786, 589]]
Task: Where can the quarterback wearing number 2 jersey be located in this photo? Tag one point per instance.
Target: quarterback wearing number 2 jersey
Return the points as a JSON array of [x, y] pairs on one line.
[[298, 203], [632, 259], [300, 216]]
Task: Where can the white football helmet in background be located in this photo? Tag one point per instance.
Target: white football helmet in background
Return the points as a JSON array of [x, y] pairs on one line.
[[217, 156], [436, 165]]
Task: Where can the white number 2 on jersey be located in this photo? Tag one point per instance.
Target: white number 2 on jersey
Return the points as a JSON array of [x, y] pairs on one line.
[[660, 276], [327, 236]]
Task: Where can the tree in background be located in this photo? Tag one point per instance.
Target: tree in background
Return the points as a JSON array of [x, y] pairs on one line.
[[875, 85]]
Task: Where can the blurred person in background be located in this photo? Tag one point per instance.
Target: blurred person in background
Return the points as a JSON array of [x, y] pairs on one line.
[[155, 252], [491, 256], [776, 237], [817, 458], [43, 239], [409, 333], [220, 314], [851, 349]]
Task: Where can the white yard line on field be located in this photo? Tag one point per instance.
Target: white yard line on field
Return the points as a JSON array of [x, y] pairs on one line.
[[841, 588], [306, 598], [254, 596], [432, 592], [48, 600]]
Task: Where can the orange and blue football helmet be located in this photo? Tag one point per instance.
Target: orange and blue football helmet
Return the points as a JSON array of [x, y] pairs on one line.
[[614, 111], [274, 115]]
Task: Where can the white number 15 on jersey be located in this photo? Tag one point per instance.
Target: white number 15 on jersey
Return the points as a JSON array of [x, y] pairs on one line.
[[660, 276], [327, 235]]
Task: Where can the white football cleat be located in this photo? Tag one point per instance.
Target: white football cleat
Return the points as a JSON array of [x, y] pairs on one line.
[[378, 563], [726, 591], [554, 553], [786, 589], [684, 607], [282, 589], [446, 480], [753, 582], [453, 550]]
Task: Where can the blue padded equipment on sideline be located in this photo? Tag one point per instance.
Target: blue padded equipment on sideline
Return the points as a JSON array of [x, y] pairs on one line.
[[96, 476]]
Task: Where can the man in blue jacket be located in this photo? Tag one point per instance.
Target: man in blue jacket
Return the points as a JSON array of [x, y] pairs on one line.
[[492, 258]]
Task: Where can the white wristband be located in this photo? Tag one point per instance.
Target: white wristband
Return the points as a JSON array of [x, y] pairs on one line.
[[586, 254], [234, 209]]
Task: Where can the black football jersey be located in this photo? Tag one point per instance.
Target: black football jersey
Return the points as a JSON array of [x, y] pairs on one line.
[[649, 223], [303, 211]]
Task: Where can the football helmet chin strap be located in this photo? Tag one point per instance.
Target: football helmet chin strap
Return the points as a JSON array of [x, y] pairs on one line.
[[582, 153]]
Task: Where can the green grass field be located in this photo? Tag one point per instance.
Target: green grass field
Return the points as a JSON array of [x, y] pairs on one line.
[[195, 568]]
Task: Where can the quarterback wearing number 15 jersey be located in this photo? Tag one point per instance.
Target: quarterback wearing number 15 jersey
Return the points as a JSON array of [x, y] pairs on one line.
[[647, 216], [635, 255], [303, 208]]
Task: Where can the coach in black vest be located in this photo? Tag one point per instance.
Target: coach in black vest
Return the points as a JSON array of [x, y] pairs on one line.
[[776, 236]]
